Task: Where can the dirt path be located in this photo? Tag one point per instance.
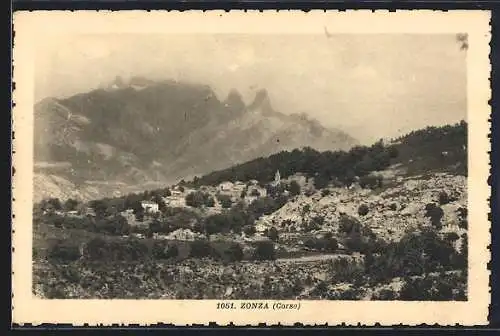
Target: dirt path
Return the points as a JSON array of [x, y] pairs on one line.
[[318, 257]]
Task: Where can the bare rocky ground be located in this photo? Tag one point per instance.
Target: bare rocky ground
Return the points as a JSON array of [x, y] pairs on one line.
[[392, 211]]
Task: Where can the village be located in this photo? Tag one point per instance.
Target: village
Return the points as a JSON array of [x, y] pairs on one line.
[[310, 213]]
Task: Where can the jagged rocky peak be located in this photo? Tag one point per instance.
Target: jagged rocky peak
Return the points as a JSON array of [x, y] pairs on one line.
[[117, 83], [234, 101], [262, 101]]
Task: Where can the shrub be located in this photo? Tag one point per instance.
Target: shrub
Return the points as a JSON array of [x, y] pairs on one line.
[[198, 198], [264, 251], [443, 198], [249, 230], [96, 249], [64, 251], [438, 289], [116, 225], [294, 188], [371, 181], [162, 250], [54, 203], [462, 213], [393, 206], [225, 201], [172, 251], [451, 237], [234, 252], [210, 202], [363, 210], [58, 222], [325, 192], [385, 295], [349, 224], [345, 269], [201, 249], [310, 225], [329, 244], [462, 218], [463, 224], [306, 209]]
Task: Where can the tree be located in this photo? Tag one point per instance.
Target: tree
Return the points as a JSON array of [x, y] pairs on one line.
[[234, 252], [294, 188], [325, 192], [97, 249], [321, 181], [70, 204], [349, 224], [331, 244], [198, 199], [435, 214], [462, 217], [264, 251], [363, 210], [155, 226], [272, 234], [451, 237], [172, 251], [195, 199], [58, 221], [54, 204], [100, 207]]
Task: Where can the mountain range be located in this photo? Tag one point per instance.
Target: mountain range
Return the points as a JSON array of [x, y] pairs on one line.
[[132, 135]]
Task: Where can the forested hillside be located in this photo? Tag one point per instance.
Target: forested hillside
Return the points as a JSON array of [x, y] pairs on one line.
[[431, 149]]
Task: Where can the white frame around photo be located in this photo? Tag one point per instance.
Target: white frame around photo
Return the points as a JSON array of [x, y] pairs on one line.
[[46, 25]]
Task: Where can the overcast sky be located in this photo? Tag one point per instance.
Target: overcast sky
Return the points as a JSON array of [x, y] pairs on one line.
[[371, 86]]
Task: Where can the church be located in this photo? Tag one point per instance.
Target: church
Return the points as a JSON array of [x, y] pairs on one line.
[[277, 178]]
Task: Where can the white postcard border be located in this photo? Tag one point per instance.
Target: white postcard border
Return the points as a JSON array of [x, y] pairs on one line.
[[39, 25]]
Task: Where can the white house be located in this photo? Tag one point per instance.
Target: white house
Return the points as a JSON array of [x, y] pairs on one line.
[[226, 186], [253, 182], [176, 193], [277, 178], [175, 201], [149, 206]]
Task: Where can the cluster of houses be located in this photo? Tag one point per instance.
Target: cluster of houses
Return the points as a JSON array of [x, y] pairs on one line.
[[235, 190]]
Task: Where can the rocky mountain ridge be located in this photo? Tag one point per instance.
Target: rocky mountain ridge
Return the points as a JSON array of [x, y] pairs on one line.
[[133, 133]]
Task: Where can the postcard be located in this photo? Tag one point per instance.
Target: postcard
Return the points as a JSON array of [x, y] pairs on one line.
[[251, 167]]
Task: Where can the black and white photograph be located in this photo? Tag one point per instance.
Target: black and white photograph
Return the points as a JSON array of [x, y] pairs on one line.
[[227, 166]]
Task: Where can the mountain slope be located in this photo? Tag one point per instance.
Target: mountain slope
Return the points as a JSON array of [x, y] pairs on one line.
[[143, 131]]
